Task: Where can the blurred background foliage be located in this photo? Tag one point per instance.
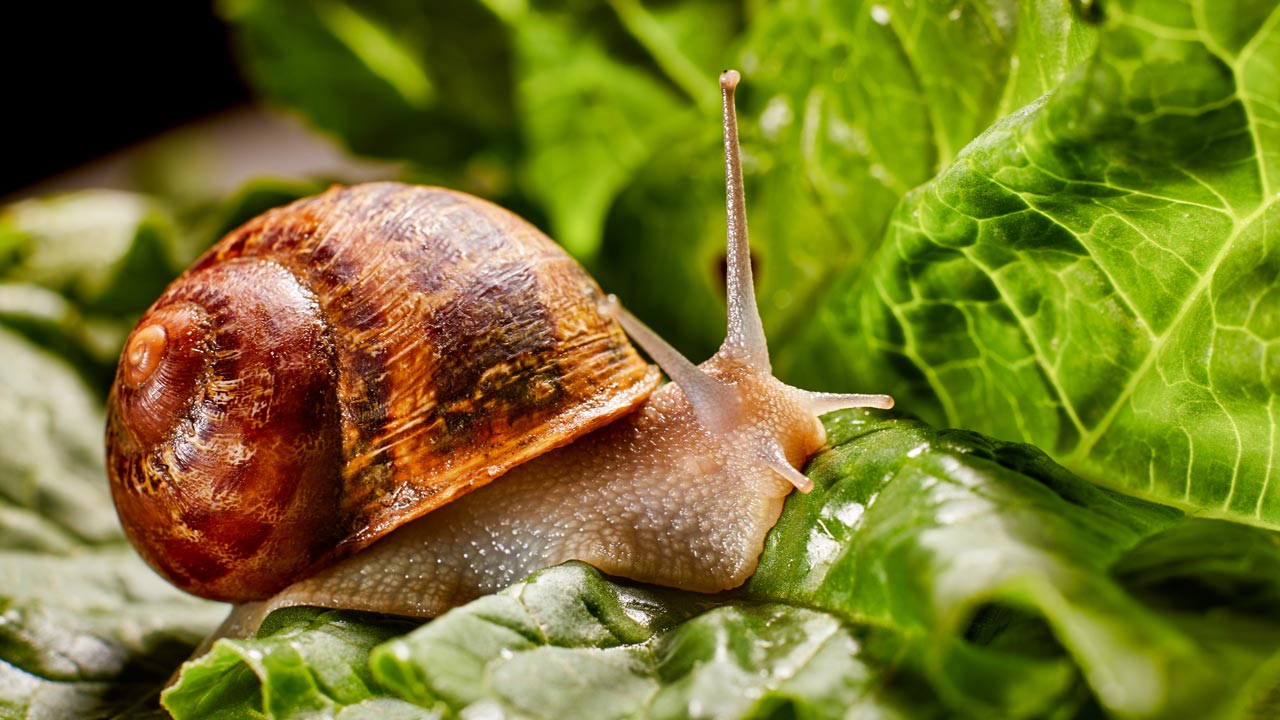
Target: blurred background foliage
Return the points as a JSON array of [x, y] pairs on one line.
[[600, 123]]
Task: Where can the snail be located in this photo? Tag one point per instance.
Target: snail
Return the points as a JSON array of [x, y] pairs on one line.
[[396, 399]]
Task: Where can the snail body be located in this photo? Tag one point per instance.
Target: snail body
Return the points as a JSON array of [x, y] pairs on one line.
[[390, 508], [654, 496]]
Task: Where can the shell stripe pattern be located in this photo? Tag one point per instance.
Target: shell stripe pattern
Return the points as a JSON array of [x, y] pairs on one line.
[[463, 336], [340, 366]]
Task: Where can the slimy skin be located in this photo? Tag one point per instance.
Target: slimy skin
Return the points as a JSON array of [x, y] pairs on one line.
[[681, 492], [655, 497]]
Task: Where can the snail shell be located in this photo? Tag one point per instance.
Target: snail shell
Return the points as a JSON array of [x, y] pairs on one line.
[[338, 367]]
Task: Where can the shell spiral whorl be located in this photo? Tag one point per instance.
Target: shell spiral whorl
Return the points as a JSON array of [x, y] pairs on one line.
[[342, 365]]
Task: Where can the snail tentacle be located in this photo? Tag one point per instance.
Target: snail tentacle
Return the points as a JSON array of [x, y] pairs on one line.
[[744, 340], [714, 402], [824, 402]]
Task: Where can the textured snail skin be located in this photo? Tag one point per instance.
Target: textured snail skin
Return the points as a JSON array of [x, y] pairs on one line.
[[343, 365], [655, 496]]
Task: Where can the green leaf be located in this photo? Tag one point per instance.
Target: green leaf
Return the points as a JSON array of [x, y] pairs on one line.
[[930, 573], [565, 643], [111, 252], [94, 634], [306, 661], [90, 344], [568, 607], [390, 79], [589, 121], [386, 709], [1094, 274], [52, 479], [970, 545]]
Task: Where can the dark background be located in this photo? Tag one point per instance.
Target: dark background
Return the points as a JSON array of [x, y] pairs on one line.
[[81, 79]]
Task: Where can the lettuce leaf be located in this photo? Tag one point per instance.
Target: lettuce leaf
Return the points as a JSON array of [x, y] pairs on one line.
[[1095, 273], [931, 573], [1043, 221]]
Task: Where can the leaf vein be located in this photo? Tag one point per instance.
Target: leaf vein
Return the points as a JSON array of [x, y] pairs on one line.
[[1090, 438]]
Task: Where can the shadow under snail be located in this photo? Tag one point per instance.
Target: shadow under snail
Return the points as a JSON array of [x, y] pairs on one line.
[[313, 412]]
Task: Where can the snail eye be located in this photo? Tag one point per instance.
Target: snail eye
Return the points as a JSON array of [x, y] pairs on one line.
[[144, 354]]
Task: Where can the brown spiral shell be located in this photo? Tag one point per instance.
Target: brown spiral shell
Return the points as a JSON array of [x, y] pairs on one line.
[[345, 364]]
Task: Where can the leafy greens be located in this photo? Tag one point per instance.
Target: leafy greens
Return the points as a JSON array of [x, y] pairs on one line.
[[930, 573], [1044, 222], [1096, 273]]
